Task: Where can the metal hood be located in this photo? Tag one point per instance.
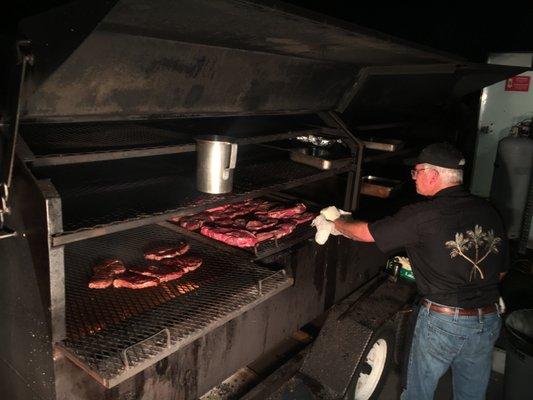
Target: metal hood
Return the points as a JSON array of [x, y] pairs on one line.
[[137, 59]]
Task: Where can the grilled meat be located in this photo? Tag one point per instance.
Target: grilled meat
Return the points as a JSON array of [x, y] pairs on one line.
[[301, 218], [186, 263], [163, 273], [160, 252], [233, 237], [132, 280], [101, 281], [286, 212], [261, 222], [109, 267], [279, 231], [105, 272]]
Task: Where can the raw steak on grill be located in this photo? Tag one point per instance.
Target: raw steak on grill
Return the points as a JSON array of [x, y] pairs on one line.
[[186, 263], [279, 231], [164, 274], [131, 280], [193, 222], [160, 252], [233, 237], [105, 272], [218, 209], [286, 212], [302, 218], [261, 222]]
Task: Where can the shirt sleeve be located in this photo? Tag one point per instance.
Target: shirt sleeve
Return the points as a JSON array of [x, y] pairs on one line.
[[399, 230]]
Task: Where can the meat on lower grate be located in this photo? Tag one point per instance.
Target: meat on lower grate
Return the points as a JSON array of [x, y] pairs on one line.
[[160, 252], [186, 263], [163, 273], [105, 272], [132, 280]]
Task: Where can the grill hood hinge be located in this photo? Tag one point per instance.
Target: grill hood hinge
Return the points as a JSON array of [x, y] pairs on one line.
[[10, 132]]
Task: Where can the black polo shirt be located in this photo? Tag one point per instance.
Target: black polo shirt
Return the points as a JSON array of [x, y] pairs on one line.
[[456, 243]]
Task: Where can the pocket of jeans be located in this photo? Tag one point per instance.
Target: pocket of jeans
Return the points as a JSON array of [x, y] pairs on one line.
[[495, 328], [443, 343]]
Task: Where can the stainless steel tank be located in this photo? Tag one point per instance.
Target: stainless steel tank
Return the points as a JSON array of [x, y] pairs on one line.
[[510, 182], [216, 160]]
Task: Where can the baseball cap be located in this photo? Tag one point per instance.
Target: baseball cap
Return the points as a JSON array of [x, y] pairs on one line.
[[441, 155]]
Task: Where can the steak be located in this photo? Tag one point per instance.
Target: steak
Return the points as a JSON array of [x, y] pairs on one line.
[[164, 274], [231, 236], [218, 209], [101, 281], [186, 263], [278, 232], [160, 252], [105, 272], [131, 280], [286, 212], [193, 222], [302, 218], [109, 267], [260, 223]]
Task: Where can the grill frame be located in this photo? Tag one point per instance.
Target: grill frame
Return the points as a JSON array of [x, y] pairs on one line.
[[175, 321]]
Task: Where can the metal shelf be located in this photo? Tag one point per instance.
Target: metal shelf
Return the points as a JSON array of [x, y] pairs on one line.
[[115, 333], [102, 198], [62, 144]]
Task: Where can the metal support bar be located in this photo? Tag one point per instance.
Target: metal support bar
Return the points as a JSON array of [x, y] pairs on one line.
[[24, 58], [351, 200]]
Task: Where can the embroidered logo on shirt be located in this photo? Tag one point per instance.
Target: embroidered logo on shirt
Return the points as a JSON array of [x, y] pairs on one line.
[[474, 247]]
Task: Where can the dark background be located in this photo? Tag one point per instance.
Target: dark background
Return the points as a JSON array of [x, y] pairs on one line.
[[469, 33]]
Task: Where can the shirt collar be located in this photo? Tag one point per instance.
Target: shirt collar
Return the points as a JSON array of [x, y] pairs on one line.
[[452, 191]]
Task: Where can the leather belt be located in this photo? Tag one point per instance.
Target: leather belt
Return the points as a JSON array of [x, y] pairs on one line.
[[491, 308]]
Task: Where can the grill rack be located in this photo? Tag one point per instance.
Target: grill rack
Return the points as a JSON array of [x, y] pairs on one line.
[[264, 250], [115, 333], [158, 192]]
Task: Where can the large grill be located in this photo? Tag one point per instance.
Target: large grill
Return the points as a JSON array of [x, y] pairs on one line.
[[115, 333]]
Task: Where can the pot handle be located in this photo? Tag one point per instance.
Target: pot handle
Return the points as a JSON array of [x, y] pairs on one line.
[[233, 156]]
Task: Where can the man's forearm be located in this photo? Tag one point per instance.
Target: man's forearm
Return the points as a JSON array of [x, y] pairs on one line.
[[356, 230]]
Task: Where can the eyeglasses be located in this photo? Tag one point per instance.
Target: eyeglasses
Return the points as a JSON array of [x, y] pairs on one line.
[[414, 172]]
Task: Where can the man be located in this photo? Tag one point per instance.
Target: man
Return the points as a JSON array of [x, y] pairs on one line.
[[458, 252]]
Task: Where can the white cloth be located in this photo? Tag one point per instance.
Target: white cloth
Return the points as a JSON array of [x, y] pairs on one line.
[[324, 223], [323, 229], [332, 213]]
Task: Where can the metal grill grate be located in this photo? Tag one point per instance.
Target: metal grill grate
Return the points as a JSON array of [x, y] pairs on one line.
[[115, 333], [53, 139], [114, 192]]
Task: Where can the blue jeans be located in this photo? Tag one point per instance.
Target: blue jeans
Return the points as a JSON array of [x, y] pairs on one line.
[[463, 343]]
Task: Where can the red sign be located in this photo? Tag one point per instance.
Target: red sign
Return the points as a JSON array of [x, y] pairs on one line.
[[517, 84]]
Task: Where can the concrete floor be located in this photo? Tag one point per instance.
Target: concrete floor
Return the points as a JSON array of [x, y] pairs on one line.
[[391, 390]]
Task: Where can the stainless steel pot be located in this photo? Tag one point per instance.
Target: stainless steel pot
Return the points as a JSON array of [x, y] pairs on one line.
[[216, 160]]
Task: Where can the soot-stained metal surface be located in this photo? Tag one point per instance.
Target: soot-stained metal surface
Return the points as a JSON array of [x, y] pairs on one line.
[[336, 352], [115, 333], [348, 330], [145, 58]]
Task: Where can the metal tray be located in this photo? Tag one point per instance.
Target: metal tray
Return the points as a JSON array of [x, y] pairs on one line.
[[383, 144], [379, 187], [319, 158]]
